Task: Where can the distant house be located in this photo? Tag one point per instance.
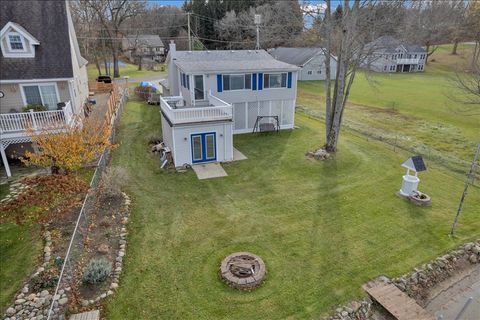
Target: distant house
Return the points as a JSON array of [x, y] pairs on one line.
[[147, 46], [211, 95], [311, 61], [387, 54], [40, 65]]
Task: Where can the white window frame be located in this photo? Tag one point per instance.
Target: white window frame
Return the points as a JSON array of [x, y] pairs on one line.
[[237, 74], [22, 40], [192, 89], [309, 72], [24, 98], [280, 73]]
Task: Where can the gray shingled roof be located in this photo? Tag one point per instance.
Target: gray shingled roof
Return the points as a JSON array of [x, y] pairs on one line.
[[47, 22], [388, 44], [295, 56], [229, 60], [149, 40]]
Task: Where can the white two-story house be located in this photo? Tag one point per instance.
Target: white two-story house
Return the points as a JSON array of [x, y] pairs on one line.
[[43, 77], [211, 95], [387, 54]]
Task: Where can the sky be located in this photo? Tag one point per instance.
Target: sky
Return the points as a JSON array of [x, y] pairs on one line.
[[312, 4]]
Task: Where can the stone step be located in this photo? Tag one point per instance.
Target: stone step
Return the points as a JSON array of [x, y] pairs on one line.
[[89, 315]]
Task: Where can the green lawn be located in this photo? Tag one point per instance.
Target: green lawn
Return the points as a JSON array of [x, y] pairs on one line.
[[323, 228], [19, 248], [414, 111], [128, 69]]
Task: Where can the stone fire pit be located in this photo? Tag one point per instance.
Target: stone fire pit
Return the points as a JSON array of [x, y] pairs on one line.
[[243, 270]]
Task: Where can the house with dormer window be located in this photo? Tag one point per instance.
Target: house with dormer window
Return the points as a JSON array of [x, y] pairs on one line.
[[211, 95], [43, 77]]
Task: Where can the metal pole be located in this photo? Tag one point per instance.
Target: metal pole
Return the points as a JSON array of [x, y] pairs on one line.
[[257, 47], [189, 32], [469, 180]]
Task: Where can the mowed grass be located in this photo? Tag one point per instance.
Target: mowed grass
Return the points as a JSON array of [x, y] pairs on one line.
[[126, 69], [19, 248], [416, 111], [323, 228]]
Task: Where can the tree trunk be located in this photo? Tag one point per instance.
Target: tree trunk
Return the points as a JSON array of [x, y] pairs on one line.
[[105, 64], [328, 70], [427, 48], [455, 45], [116, 70]]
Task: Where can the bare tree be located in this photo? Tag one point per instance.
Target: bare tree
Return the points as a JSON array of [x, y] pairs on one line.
[[112, 15], [347, 33], [427, 23]]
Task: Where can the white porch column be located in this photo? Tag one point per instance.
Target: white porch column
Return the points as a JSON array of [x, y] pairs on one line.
[[5, 161]]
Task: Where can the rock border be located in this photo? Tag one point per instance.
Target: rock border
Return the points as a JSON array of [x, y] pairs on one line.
[[248, 283], [36, 305], [416, 283], [118, 260]]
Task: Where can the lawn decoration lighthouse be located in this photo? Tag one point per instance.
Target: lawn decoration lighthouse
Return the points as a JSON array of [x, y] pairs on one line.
[[410, 183]]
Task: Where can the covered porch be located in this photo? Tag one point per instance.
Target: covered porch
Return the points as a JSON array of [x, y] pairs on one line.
[[19, 127]]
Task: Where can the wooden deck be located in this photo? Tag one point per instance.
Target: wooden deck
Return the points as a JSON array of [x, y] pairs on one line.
[[401, 306]]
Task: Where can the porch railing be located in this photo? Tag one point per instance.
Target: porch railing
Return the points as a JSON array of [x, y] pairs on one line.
[[173, 108], [408, 61], [23, 121]]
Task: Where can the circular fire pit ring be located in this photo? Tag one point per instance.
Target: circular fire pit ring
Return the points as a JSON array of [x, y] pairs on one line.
[[243, 270]]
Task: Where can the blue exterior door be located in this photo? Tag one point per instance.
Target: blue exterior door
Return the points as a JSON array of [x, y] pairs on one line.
[[204, 147]]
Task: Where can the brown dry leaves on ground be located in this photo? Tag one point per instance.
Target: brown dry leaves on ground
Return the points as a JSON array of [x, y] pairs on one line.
[[48, 197]]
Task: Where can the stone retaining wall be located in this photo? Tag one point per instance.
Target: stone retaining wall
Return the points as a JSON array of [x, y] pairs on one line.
[[417, 283]]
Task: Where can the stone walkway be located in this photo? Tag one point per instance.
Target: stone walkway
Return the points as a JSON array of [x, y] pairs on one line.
[[237, 155]]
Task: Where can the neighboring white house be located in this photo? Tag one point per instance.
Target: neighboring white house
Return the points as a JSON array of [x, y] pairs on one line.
[[387, 54], [211, 95], [146, 46], [40, 64], [311, 62]]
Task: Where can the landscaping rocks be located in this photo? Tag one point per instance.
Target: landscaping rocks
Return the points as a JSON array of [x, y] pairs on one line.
[[320, 154], [417, 283], [118, 260]]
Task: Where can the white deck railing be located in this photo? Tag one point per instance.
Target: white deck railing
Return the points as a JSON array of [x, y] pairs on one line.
[[408, 61], [17, 124], [217, 109]]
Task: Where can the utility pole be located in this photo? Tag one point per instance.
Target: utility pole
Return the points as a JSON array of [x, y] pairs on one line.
[[470, 177], [257, 21], [189, 32]]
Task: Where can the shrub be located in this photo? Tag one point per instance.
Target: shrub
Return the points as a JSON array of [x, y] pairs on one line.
[[44, 280], [114, 179], [97, 271], [35, 107]]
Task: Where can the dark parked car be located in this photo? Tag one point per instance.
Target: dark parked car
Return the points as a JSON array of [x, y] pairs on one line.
[[104, 79]]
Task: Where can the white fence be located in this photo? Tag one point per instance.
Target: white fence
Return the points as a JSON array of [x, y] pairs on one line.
[[20, 122]]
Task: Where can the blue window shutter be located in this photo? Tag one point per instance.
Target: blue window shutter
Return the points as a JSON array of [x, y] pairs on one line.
[[219, 83], [289, 80], [254, 81], [260, 81]]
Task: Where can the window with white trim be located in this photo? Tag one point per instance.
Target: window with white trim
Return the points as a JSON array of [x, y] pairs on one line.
[[15, 42], [319, 71], [309, 72], [237, 81], [44, 94], [275, 80]]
